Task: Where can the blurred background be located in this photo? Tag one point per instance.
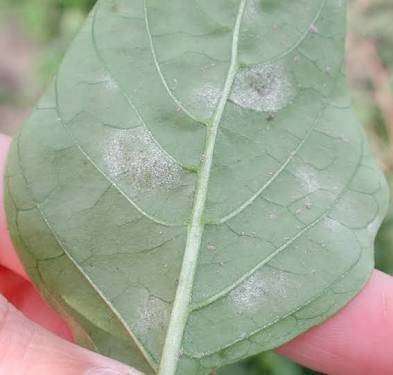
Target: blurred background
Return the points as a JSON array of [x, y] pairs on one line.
[[35, 33]]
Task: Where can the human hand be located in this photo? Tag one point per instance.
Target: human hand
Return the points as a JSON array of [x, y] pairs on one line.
[[43, 347], [358, 340]]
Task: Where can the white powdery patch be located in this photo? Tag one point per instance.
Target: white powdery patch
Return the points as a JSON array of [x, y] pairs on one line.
[[260, 289], [263, 88], [206, 99], [332, 225], [309, 179], [135, 155], [153, 315], [253, 9], [110, 83], [374, 226], [250, 293]]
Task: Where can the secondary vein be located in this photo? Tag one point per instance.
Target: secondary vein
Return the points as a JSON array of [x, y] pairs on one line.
[[181, 305], [159, 71], [68, 254]]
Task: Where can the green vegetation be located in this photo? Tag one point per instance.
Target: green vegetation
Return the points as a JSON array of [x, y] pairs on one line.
[[371, 76], [50, 25], [48, 19]]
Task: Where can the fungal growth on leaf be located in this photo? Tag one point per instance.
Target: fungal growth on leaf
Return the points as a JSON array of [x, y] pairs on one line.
[[212, 197], [134, 155], [263, 88]]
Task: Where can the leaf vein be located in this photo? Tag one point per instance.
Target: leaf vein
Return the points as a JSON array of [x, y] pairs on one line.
[[161, 74], [77, 266], [228, 289], [94, 164]]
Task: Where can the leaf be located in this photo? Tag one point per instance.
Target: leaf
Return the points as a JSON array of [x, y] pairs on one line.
[[267, 363], [384, 240], [193, 188]]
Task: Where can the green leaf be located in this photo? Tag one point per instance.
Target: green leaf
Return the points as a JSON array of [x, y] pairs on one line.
[[193, 188], [384, 240], [267, 363]]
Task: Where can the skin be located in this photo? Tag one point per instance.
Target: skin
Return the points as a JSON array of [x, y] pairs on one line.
[[34, 340]]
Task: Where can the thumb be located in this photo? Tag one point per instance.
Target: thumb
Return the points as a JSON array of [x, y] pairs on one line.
[[26, 348]]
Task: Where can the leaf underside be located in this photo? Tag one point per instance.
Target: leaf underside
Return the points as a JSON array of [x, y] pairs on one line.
[[195, 168]]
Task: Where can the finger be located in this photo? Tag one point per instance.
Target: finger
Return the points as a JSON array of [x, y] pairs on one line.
[[27, 300], [358, 340], [26, 348], [8, 257], [19, 291]]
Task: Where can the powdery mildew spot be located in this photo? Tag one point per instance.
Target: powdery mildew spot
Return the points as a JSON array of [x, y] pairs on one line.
[[135, 155], [206, 99], [255, 292], [249, 294], [332, 225], [253, 9], [110, 83], [373, 226], [309, 179], [263, 88], [153, 315]]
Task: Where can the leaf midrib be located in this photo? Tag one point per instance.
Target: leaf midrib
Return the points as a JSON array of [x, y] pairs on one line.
[[181, 305]]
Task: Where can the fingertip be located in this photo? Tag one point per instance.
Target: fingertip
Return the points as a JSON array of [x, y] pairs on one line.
[[5, 140], [357, 340], [27, 348], [106, 371], [8, 257], [26, 299]]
